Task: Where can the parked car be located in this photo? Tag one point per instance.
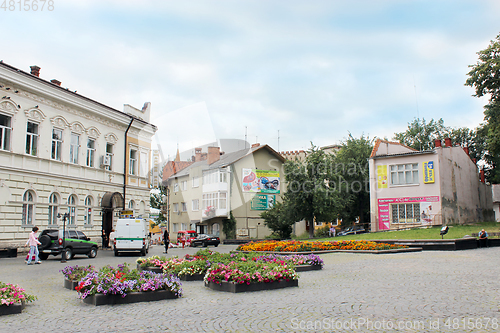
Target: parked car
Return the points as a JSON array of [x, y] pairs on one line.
[[75, 242], [189, 235], [357, 229], [205, 240]]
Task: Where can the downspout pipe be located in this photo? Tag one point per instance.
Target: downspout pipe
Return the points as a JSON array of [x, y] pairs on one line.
[[125, 162]]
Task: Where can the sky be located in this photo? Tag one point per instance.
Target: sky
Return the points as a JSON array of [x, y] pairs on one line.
[[282, 73]]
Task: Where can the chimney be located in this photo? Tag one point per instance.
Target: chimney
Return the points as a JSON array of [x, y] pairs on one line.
[[466, 150], [481, 174], [56, 82], [255, 145], [447, 142], [437, 143], [213, 154], [35, 70], [197, 154]]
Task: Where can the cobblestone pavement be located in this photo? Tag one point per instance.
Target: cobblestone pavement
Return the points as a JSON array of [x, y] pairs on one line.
[[432, 291]]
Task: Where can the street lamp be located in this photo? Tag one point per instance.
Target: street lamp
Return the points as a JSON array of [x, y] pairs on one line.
[[63, 253]]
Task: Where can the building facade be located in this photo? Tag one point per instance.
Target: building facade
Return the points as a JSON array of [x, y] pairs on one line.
[[61, 152], [204, 192], [410, 188]]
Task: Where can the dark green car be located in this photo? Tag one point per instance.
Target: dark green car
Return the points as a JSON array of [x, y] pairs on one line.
[[75, 242]]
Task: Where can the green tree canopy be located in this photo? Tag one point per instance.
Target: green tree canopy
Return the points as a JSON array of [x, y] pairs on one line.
[[421, 135], [279, 220]]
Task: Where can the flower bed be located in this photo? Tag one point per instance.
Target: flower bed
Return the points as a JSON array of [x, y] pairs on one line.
[[257, 286], [122, 281], [73, 274], [13, 298], [308, 246]]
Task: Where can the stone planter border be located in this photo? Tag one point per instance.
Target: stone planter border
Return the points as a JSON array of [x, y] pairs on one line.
[[239, 288], [150, 268], [135, 297], [305, 268], [413, 249], [12, 309], [70, 284], [194, 277]]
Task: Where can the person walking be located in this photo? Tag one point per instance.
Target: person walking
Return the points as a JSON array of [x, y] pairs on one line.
[[33, 243], [112, 238], [166, 240]]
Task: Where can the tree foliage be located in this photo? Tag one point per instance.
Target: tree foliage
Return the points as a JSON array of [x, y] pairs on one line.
[[351, 165], [279, 220], [421, 135], [156, 201], [484, 77], [229, 226]]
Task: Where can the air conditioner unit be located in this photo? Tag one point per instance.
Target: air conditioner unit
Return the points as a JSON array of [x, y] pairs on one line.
[[106, 160]]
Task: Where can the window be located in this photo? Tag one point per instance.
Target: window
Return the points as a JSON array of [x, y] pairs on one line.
[[144, 164], [176, 207], [56, 144], [90, 152], [176, 187], [88, 210], [131, 204], [222, 200], [215, 229], [406, 213], [184, 185], [214, 176], [5, 129], [176, 227], [183, 206], [196, 181], [31, 138], [74, 147], [133, 162], [403, 174], [53, 208], [195, 205], [28, 207], [109, 153], [72, 200]]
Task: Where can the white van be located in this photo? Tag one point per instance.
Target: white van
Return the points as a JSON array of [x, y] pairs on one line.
[[131, 235]]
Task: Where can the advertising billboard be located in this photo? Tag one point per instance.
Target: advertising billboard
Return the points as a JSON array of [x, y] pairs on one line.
[[260, 181]]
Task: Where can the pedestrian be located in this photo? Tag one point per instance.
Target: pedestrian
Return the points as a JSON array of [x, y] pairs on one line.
[[112, 238], [332, 231], [166, 240], [183, 241], [483, 238], [33, 243]]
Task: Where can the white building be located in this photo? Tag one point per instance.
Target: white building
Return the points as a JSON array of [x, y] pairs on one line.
[[63, 152]]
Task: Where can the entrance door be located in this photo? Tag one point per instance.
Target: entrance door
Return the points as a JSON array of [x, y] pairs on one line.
[[107, 225]]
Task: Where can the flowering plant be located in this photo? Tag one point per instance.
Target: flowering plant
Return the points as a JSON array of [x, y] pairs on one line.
[[122, 280], [306, 246], [77, 272], [10, 294], [250, 272], [295, 259], [153, 261]]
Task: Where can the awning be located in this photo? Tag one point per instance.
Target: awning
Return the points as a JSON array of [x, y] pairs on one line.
[[112, 200]]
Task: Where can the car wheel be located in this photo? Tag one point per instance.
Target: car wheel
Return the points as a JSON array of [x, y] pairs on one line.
[[93, 252], [205, 244], [143, 252], [216, 245], [69, 253], [43, 256], [45, 240], [116, 253]]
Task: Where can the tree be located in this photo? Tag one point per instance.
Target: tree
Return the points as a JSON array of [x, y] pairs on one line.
[[279, 220], [308, 196], [420, 135], [351, 166], [484, 77], [229, 226], [156, 201]]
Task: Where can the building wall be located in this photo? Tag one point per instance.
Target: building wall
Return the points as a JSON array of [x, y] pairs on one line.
[[248, 221], [465, 199], [27, 98]]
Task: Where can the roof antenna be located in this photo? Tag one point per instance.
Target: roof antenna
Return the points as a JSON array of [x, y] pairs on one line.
[[278, 141], [245, 137]]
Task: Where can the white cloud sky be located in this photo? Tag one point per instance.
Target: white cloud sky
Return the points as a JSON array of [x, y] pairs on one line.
[[314, 71]]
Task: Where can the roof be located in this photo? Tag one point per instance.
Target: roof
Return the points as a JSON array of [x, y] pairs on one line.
[[225, 160], [400, 149], [67, 91]]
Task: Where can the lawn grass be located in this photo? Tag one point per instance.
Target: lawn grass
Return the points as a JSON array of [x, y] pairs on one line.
[[454, 231]]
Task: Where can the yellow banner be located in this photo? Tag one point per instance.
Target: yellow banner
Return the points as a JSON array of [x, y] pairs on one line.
[[428, 172], [382, 176]]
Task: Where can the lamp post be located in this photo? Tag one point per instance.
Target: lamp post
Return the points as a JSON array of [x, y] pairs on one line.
[[63, 253]]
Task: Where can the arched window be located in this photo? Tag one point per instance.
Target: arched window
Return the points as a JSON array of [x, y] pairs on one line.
[[131, 204], [72, 200], [53, 208], [142, 208], [88, 210], [28, 207]]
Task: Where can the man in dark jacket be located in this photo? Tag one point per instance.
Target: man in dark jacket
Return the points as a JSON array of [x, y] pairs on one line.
[[166, 240]]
